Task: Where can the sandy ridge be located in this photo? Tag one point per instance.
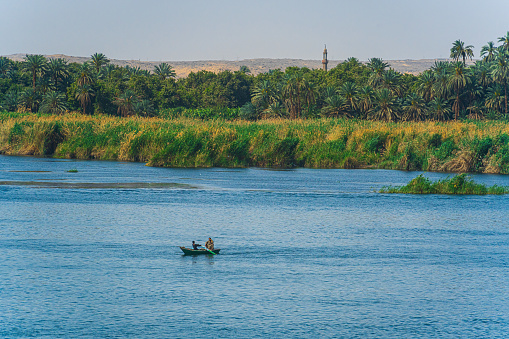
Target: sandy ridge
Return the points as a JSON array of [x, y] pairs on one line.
[[183, 68]]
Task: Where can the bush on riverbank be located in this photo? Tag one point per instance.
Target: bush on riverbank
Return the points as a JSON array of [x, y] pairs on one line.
[[459, 184], [481, 147]]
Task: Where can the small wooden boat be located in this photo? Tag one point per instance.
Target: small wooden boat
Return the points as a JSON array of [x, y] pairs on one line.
[[189, 251]]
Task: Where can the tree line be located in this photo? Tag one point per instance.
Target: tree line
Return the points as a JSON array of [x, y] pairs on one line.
[[372, 90]]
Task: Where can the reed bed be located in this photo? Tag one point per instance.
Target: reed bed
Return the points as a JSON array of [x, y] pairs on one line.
[[480, 147]]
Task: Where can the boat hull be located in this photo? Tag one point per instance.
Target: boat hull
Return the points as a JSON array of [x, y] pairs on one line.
[[189, 251]]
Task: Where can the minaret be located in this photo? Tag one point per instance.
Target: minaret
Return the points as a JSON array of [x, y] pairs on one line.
[[324, 60]]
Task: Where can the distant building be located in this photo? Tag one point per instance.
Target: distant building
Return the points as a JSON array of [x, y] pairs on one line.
[[324, 59]]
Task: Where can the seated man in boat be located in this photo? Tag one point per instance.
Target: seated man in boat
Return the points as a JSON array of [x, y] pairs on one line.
[[210, 244], [195, 246]]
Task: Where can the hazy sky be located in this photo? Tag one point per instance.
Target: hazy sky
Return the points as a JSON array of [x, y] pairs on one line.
[[239, 29]]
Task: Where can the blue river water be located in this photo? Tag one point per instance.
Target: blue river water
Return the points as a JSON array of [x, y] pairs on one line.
[[305, 253]]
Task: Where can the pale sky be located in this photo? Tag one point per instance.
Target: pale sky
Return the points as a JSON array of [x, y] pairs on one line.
[[183, 30]]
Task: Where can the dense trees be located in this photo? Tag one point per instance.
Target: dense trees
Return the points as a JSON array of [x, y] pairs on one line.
[[352, 89]]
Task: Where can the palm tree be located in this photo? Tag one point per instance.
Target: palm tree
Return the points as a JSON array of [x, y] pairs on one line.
[[164, 71], [459, 50], [84, 96], [126, 103], [328, 92], [386, 107], [244, 69], [377, 67], [425, 85], [500, 73], [349, 92], [297, 92], [135, 70], [5, 66], [489, 52], [366, 99], [458, 81], [30, 99], [144, 108], [54, 103], [85, 75], [505, 42], [335, 106], [275, 110], [264, 94], [11, 101], [106, 71], [414, 108], [441, 71], [392, 81], [481, 72], [475, 111], [36, 65], [495, 98], [58, 70], [99, 60], [439, 109]]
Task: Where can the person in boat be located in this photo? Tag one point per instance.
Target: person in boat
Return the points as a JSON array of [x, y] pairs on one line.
[[195, 246], [210, 244]]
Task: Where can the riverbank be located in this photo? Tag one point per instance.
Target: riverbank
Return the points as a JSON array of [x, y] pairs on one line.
[[479, 147]]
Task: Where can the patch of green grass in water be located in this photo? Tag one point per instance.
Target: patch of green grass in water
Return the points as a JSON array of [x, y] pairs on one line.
[[461, 184]]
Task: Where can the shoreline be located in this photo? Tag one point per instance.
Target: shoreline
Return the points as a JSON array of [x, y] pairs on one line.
[[452, 147]]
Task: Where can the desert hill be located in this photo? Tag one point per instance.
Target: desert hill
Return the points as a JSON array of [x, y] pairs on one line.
[[183, 68]]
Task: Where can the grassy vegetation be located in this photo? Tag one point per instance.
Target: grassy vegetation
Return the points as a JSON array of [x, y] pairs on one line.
[[480, 147], [459, 184]]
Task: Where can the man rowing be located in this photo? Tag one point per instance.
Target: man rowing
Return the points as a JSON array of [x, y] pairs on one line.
[[210, 244], [195, 246]]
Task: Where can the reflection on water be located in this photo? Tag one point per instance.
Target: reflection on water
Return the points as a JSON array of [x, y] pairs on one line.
[[304, 253]]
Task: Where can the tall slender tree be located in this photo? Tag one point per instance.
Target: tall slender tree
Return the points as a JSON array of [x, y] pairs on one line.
[[439, 109], [505, 42], [296, 93], [489, 51], [441, 71], [425, 85], [126, 102], [495, 98], [366, 100], [458, 81], [414, 108], [386, 108], [377, 67], [500, 73], [459, 50], [5, 66], [85, 74], [35, 64], [57, 70], [349, 92], [84, 96], [98, 61]]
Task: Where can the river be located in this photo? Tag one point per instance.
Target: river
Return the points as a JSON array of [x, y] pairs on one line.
[[305, 253]]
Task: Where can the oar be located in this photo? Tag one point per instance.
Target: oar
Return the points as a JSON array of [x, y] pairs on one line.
[[209, 250]]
